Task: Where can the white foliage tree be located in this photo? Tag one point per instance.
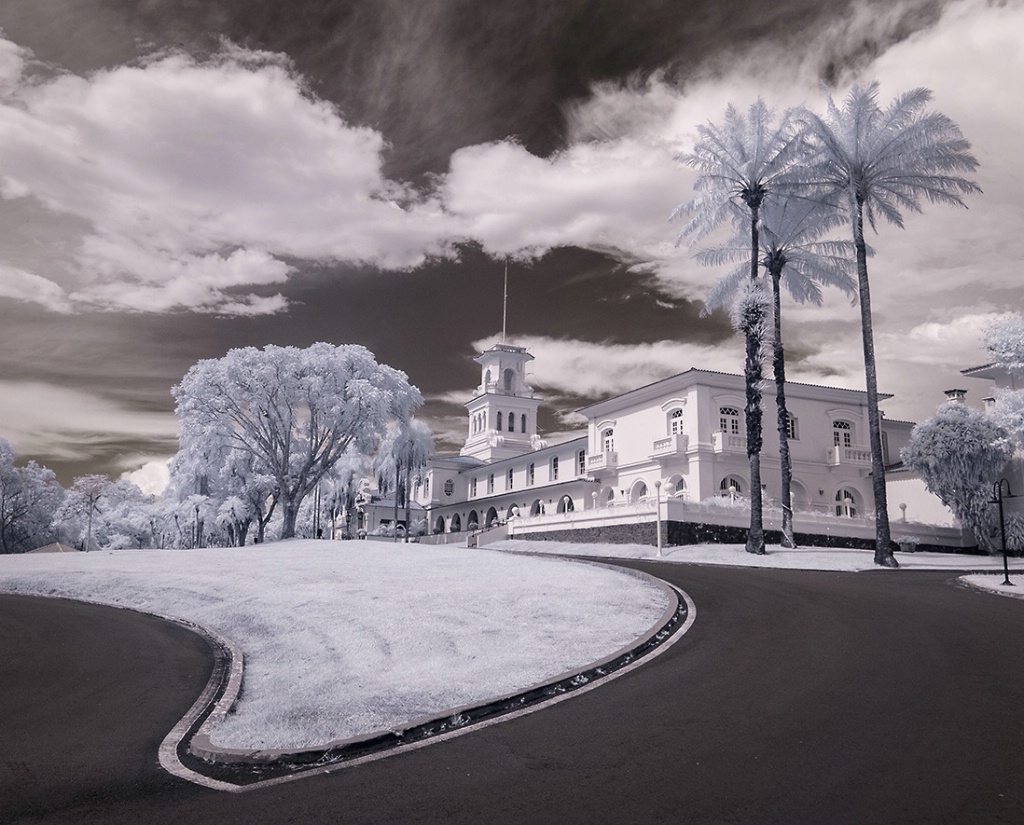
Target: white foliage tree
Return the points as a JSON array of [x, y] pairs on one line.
[[295, 411], [29, 499], [960, 452]]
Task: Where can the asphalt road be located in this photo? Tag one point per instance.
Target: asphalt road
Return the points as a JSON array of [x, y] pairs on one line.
[[796, 697]]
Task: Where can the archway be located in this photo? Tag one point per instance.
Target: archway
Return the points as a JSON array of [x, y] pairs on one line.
[[537, 508], [492, 517], [847, 502], [798, 494], [637, 492], [439, 525], [456, 525], [565, 504], [473, 521], [606, 497]]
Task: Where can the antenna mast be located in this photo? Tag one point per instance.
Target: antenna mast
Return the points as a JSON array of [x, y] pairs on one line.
[[504, 306]]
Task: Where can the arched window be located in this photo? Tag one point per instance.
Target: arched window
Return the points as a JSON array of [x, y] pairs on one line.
[[581, 462], [608, 441], [842, 433], [506, 379], [508, 479], [522, 423], [729, 420], [490, 483], [499, 420], [456, 526], [530, 474], [449, 487], [730, 486], [680, 487], [554, 468], [675, 422], [565, 504], [639, 491], [846, 503], [472, 488], [511, 422]]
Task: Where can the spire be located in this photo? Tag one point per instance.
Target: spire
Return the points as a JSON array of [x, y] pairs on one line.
[[504, 306]]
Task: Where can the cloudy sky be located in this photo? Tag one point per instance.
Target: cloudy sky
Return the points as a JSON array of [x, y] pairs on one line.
[[180, 177]]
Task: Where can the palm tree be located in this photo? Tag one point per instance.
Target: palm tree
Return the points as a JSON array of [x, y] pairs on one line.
[[793, 256], [879, 162], [402, 454], [738, 164]]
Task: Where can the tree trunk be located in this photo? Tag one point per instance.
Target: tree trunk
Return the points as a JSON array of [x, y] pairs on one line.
[[883, 538], [289, 515], [752, 374], [397, 477], [408, 507], [779, 366]]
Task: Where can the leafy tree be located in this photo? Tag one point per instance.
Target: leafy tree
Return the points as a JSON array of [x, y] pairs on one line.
[[960, 452], [738, 165], [403, 454], [295, 411], [793, 256], [879, 162], [29, 498], [81, 505]]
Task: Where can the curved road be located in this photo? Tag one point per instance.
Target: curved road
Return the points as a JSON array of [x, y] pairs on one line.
[[796, 697]]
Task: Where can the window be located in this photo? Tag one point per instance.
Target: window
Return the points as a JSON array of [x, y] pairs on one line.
[[729, 420], [426, 487], [792, 432], [608, 441], [842, 433], [522, 423], [530, 475], [449, 487], [554, 468], [472, 488], [730, 486], [506, 380], [511, 422], [508, 479], [581, 462], [846, 503], [680, 487], [499, 420], [490, 483], [675, 422]]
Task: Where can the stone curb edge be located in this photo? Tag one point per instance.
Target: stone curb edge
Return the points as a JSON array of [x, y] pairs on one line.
[[249, 768]]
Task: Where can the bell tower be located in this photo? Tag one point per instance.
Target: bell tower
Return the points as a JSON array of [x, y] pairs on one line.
[[503, 413]]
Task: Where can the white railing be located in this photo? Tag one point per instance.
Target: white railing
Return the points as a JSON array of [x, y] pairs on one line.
[[670, 445], [602, 461], [838, 455], [724, 442], [727, 513]]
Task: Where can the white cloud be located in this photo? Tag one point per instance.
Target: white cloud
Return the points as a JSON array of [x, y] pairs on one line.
[[206, 172], [595, 370], [152, 477], [19, 285]]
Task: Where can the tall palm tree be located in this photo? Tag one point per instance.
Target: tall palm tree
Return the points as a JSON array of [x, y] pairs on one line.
[[793, 256], [879, 162], [738, 164]]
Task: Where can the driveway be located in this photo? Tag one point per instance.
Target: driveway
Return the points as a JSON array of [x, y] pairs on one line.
[[796, 697]]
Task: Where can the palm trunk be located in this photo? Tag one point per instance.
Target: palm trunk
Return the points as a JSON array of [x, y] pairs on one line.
[[752, 376], [883, 538], [779, 366]]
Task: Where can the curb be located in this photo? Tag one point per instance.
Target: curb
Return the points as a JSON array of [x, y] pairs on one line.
[[236, 770]]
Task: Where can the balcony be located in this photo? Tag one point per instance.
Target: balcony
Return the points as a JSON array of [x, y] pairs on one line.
[[724, 442], [602, 461], [669, 446], [853, 456]]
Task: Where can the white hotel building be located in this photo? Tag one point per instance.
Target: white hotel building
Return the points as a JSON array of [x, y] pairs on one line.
[[657, 451]]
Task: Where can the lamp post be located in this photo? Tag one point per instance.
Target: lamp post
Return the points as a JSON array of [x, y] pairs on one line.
[[997, 498], [657, 496]]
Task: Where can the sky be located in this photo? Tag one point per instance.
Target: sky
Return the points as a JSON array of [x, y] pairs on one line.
[[178, 178]]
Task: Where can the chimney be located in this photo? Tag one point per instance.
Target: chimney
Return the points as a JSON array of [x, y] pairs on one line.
[[956, 395]]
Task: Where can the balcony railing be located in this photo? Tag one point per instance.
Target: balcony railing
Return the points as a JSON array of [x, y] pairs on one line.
[[602, 461], [854, 455], [724, 442], [674, 444]]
